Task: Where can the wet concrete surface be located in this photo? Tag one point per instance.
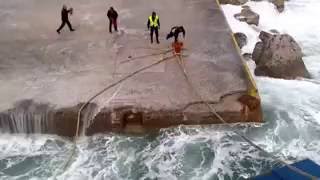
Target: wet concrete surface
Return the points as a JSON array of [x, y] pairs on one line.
[[67, 69]]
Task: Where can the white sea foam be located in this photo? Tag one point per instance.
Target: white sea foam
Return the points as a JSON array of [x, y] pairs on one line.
[[291, 107]]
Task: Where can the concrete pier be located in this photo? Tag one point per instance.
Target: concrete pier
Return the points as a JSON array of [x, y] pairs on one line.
[[63, 71]]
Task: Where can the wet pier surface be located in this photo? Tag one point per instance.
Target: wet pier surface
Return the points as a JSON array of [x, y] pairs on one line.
[[47, 76]]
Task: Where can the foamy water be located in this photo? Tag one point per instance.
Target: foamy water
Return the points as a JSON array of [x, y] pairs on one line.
[[291, 131]]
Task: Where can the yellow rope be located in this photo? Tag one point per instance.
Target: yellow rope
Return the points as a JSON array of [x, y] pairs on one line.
[[253, 91], [214, 112], [144, 56], [66, 164]]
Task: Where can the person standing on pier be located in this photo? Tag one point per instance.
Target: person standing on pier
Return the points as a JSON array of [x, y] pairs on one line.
[[65, 18], [112, 15], [154, 26]]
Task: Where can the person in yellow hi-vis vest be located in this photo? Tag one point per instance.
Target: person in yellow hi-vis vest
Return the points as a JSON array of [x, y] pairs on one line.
[[154, 26]]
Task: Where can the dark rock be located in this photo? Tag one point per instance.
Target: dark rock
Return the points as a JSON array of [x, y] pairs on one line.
[[279, 4], [247, 56], [265, 36], [234, 2], [278, 56], [241, 39], [257, 52], [274, 31], [248, 16]]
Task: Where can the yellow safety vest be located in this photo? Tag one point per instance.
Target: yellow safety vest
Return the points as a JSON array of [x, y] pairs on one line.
[[155, 22]]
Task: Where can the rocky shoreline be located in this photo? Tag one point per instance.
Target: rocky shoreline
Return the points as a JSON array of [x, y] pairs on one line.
[[279, 4], [275, 55]]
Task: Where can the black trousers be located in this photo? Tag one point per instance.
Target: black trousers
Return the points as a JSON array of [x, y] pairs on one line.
[[156, 31], [64, 22], [114, 23]]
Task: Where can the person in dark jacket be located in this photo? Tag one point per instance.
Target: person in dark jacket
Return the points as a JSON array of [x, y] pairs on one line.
[[175, 31], [154, 26], [112, 15], [65, 18]]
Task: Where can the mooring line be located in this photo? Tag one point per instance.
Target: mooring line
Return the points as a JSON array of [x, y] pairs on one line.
[[211, 109], [67, 162], [214, 112], [144, 56]]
